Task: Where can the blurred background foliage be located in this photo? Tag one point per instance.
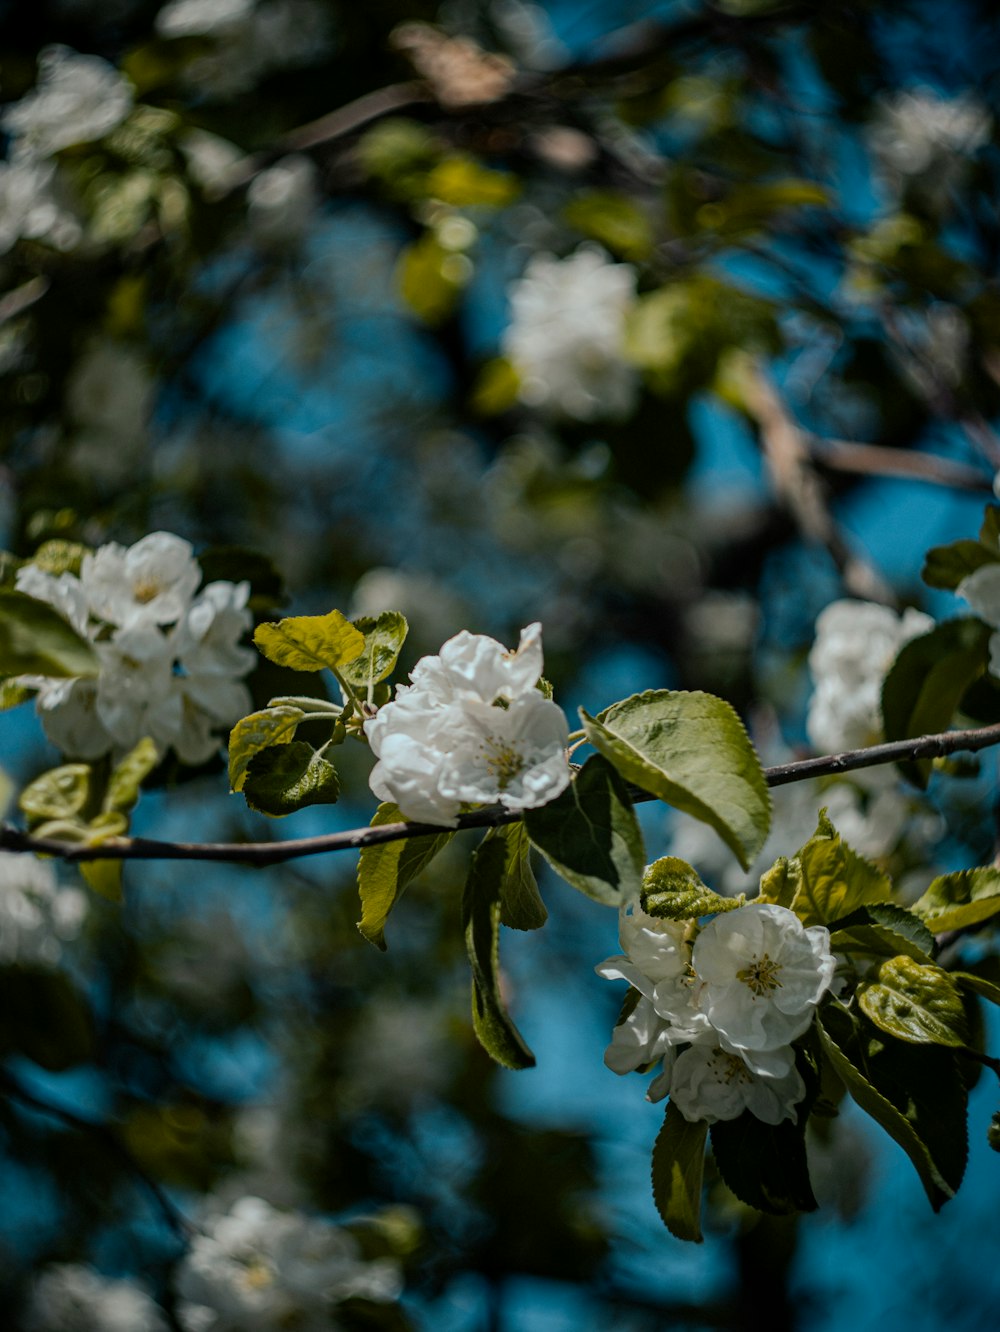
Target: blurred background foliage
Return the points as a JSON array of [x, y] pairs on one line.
[[269, 308]]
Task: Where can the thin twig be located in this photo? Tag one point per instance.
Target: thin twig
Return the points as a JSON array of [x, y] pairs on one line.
[[275, 853], [876, 460]]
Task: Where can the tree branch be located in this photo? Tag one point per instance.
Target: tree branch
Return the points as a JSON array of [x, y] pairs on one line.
[[276, 853]]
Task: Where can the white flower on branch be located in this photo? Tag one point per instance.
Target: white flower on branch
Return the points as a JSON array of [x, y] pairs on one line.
[[257, 1269], [69, 1297], [566, 335], [856, 642], [78, 98], [172, 663], [709, 1084], [471, 727]]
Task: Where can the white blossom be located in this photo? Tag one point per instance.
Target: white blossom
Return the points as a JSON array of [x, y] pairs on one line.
[[918, 129], [761, 973], [981, 589], [566, 334], [856, 642], [709, 1084], [31, 207], [77, 98], [171, 663], [282, 200], [37, 915], [472, 727], [257, 1269], [69, 1297]]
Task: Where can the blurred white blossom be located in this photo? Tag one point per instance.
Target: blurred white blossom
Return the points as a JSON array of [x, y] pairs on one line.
[[566, 334], [710, 1084], [856, 642], [69, 1297], [257, 1269], [471, 726], [32, 207], [282, 200], [77, 98], [918, 129], [171, 661], [37, 914], [981, 589]]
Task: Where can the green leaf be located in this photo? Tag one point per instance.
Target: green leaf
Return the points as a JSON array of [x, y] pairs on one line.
[[128, 776], [462, 182], [311, 642], [882, 929], [431, 279], [493, 1025], [946, 566], [58, 556], [925, 684], [678, 1169], [385, 871], [978, 985], [496, 388], [765, 1164], [12, 695], [615, 220], [692, 751], [251, 735], [285, 778], [829, 879], [590, 835], [103, 877], [672, 890], [914, 1092], [956, 901], [521, 905], [36, 640], [383, 637], [916, 1002], [780, 883], [60, 793], [45, 1017]]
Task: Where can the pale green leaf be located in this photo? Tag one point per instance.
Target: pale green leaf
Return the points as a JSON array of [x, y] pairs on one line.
[[60, 793], [521, 905], [915, 1002], [956, 901], [385, 871], [36, 640], [590, 835], [383, 638], [678, 1169], [829, 879], [311, 642], [272, 726], [692, 751], [128, 776], [672, 890]]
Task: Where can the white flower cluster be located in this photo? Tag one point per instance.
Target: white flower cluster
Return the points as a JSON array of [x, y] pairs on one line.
[[37, 916], [918, 130], [470, 727], [252, 37], [566, 335], [736, 1000], [981, 589], [257, 1269], [856, 642], [170, 660], [69, 1297], [78, 98]]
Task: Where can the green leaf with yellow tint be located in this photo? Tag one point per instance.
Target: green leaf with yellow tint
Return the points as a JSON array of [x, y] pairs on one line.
[[672, 890], [616, 220], [957, 901], [431, 278], [60, 793], [692, 751], [915, 1002], [826, 880], [678, 1170], [463, 183], [272, 726], [128, 776], [36, 640], [384, 636], [385, 870], [311, 642]]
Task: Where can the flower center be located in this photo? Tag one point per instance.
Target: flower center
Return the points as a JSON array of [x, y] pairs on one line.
[[731, 1068], [146, 590], [761, 976], [504, 763], [257, 1275]]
